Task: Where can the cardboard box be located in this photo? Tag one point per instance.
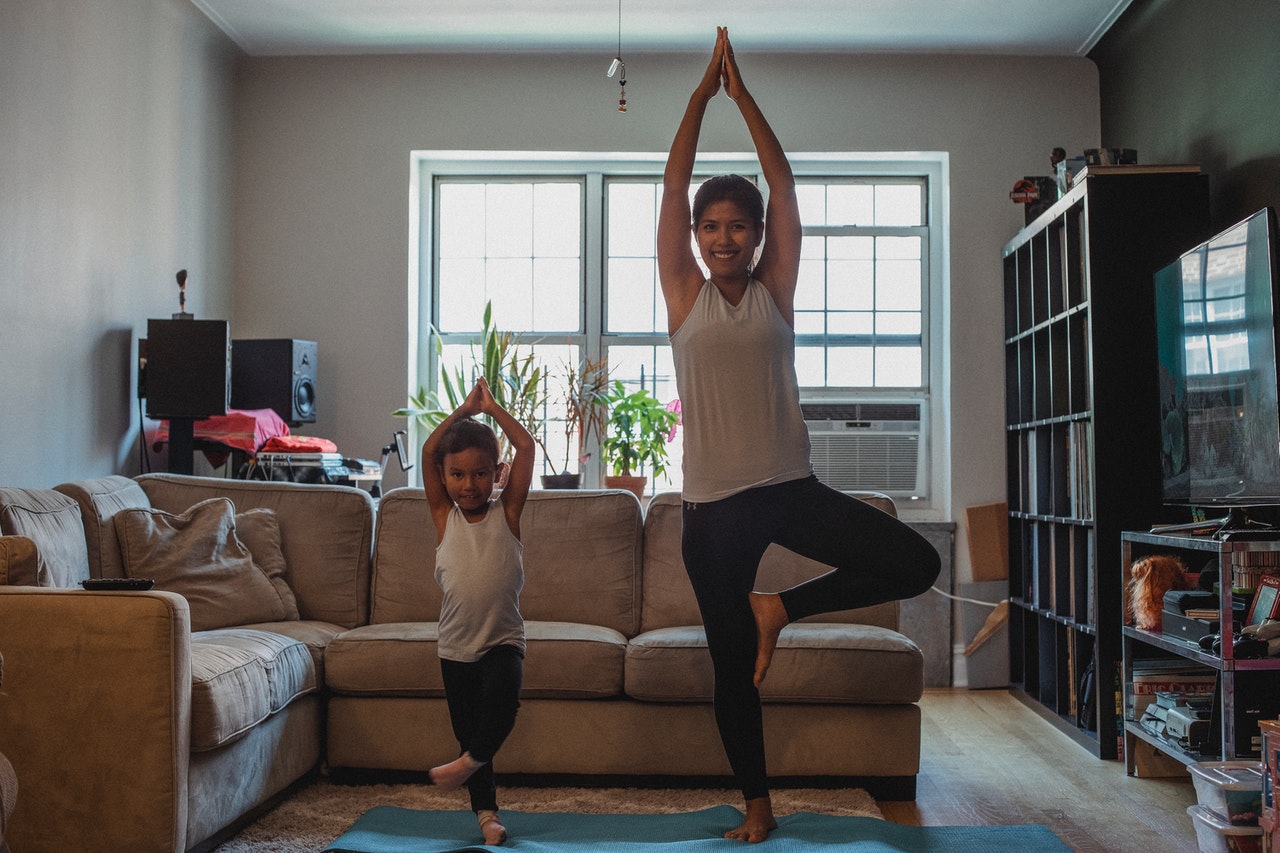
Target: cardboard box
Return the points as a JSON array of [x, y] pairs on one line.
[[988, 528]]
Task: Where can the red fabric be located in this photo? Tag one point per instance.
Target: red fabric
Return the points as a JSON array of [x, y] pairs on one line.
[[238, 429], [298, 444]]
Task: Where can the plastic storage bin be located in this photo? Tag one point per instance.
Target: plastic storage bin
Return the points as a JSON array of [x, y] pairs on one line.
[[1230, 789], [1215, 835]]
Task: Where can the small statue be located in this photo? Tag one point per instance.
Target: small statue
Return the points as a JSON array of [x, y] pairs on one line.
[[182, 297]]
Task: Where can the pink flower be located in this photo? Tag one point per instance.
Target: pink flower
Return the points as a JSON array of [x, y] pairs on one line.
[[674, 406]]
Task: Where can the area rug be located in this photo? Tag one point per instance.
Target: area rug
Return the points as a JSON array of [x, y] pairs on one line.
[[312, 817], [390, 829]]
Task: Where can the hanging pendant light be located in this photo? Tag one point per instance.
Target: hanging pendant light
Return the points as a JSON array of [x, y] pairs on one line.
[[619, 67]]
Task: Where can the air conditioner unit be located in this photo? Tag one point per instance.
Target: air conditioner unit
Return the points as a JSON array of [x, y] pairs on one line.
[[869, 445]]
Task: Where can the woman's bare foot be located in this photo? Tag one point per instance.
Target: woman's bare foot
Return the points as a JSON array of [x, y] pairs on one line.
[[455, 774], [758, 823], [771, 618], [491, 828]]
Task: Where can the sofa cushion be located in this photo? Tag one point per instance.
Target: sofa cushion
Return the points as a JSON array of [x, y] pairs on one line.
[[668, 597], [259, 530], [99, 499], [52, 521], [582, 557], [198, 555], [19, 564], [230, 693], [814, 663], [563, 661], [290, 670]]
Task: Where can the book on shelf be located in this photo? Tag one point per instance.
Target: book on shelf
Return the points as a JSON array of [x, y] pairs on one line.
[[1175, 675]]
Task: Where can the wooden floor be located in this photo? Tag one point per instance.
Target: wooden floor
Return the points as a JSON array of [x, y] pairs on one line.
[[988, 759]]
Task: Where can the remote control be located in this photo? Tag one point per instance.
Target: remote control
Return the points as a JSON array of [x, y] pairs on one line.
[[118, 583]]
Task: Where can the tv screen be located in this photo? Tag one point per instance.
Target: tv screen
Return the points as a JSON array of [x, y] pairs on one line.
[[1216, 350]]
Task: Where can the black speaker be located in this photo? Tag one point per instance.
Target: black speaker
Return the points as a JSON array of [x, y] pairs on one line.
[[188, 368], [275, 373]]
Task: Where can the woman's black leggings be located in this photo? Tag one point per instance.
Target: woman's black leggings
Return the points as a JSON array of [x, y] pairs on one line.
[[875, 558], [483, 700]]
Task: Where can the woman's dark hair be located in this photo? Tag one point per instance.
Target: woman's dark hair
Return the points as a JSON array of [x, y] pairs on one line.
[[464, 435], [734, 188]]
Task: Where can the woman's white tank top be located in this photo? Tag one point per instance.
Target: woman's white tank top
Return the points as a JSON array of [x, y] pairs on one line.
[[739, 398]]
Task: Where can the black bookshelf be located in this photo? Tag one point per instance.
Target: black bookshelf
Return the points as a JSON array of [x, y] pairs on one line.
[[1082, 429]]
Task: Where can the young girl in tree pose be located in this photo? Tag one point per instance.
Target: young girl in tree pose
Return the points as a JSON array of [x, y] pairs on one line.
[[748, 480], [479, 566]]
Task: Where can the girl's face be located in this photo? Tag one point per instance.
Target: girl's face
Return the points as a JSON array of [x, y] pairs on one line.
[[469, 476], [727, 239]]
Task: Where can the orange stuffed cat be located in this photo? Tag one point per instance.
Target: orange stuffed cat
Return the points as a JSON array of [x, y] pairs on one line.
[[1149, 579]]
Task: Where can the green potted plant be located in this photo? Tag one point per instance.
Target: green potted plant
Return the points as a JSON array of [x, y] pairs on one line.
[[640, 426], [586, 402], [516, 381]]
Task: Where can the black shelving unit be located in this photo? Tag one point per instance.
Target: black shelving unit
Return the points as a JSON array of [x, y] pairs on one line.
[[1247, 689], [1082, 433]]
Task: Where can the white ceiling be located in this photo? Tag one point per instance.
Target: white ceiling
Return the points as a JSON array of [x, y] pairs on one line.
[[1031, 27]]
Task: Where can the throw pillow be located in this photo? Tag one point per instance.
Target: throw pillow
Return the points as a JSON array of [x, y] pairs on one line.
[[19, 565], [259, 530], [198, 555]]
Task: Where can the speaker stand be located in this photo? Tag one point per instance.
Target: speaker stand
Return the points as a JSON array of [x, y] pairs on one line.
[[182, 445]]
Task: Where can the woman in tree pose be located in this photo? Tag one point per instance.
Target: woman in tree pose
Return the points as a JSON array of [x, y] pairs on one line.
[[748, 480]]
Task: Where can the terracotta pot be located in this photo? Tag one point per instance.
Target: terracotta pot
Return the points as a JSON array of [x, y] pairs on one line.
[[561, 481], [632, 483]]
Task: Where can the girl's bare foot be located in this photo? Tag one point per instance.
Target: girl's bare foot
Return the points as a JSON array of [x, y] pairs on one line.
[[492, 829], [758, 823], [771, 618], [455, 774]]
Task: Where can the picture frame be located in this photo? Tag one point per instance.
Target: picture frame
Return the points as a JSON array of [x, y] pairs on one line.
[[1266, 600]]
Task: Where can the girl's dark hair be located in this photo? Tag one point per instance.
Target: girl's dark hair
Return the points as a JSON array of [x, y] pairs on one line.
[[464, 435], [734, 188]]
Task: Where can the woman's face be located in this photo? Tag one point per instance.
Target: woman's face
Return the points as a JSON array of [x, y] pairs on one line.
[[727, 239]]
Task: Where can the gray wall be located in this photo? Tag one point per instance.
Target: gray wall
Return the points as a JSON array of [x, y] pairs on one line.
[[1198, 81], [115, 164], [135, 141]]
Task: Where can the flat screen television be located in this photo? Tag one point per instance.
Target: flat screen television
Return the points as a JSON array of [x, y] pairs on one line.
[[1216, 333]]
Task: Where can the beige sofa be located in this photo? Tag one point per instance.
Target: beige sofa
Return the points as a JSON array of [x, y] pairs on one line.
[[130, 731], [206, 725]]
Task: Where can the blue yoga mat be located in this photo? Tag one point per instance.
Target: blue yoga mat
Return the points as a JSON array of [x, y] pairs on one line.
[[390, 829]]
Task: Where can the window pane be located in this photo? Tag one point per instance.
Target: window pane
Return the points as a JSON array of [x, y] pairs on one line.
[[849, 204], [897, 366], [811, 367], [852, 286], [462, 295], [511, 291], [898, 285], [851, 323], [898, 323], [899, 204], [632, 218], [509, 220], [557, 220], [811, 286], [812, 199], [633, 297], [462, 218], [850, 366], [810, 322], [556, 295]]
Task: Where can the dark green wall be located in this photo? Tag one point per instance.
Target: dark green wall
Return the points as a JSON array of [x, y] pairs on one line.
[[1198, 81]]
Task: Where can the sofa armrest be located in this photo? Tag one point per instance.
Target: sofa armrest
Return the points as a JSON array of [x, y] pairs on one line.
[[95, 716]]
